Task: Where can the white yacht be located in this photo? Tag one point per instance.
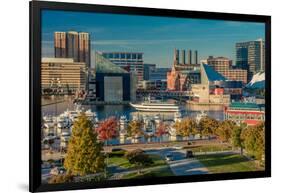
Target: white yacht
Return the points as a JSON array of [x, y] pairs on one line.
[[73, 115], [200, 116], [156, 106]]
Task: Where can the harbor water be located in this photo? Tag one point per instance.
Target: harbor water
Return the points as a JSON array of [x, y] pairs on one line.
[[55, 106]]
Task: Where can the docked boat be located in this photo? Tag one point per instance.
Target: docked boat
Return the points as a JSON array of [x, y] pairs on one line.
[[156, 106]]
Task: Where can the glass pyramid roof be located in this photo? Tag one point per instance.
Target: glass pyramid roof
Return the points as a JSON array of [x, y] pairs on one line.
[[212, 74], [104, 65]]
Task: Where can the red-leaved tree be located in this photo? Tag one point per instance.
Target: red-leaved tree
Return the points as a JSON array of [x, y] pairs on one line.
[[107, 129], [161, 130]]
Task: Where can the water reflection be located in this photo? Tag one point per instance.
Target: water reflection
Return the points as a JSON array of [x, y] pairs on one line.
[[56, 107]]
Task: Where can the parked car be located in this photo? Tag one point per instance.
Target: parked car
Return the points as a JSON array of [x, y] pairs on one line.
[[169, 157], [189, 154]]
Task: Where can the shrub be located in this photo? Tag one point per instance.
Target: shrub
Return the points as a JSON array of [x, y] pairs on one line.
[[139, 158]]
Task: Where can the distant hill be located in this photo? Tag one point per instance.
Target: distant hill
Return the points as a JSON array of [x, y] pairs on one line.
[[257, 82]]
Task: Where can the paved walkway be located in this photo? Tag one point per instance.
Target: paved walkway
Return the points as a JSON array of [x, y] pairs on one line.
[[187, 167], [181, 166]]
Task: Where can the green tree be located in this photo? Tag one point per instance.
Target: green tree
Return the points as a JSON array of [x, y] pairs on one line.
[[84, 154], [224, 130], [254, 143], [236, 137], [207, 126], [186, 127]]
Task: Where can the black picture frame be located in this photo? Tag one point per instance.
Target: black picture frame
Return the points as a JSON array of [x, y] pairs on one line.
[[35, 102]]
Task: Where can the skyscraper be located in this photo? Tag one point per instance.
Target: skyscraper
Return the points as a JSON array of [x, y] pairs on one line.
[[72, 44], [60, 44], [250, 56], [85, 48]]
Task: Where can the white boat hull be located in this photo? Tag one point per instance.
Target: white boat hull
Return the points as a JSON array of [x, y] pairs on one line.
[[156, 108]]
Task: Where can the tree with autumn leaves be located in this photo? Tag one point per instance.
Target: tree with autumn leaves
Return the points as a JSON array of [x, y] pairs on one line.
[[161, 130], [107, 129], [224, 130], [134, 129], [186, 127], [84, 153], [207, 126], [253, 138], [236, 137]]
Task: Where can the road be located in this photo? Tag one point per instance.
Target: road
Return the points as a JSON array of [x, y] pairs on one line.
[[181, 166]]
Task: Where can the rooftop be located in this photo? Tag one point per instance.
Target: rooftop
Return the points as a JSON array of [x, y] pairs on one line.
[[241, 105], [104, 65], [212, 75]]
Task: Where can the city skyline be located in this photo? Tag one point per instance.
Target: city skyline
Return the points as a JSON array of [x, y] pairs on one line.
[[156, 37]]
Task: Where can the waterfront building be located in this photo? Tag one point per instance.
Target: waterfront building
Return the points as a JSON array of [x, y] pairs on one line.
[[62, 75], [92, 86], [72, 44], [223, 66], [114, 84], [215, 88], [129, 61], [236, 75], [251, 56], [176, 81], [154, 84], [147, 69], [244, 112], [159, 74]]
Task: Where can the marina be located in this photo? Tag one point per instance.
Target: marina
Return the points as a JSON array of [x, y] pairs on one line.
[[59, 117]]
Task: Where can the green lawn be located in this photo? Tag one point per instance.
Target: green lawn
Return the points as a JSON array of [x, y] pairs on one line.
[[219, 163], [208, 148], [150, 173], [122, 162]]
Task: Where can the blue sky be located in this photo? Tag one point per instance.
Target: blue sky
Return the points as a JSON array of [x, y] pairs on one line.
[[156, 37]]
